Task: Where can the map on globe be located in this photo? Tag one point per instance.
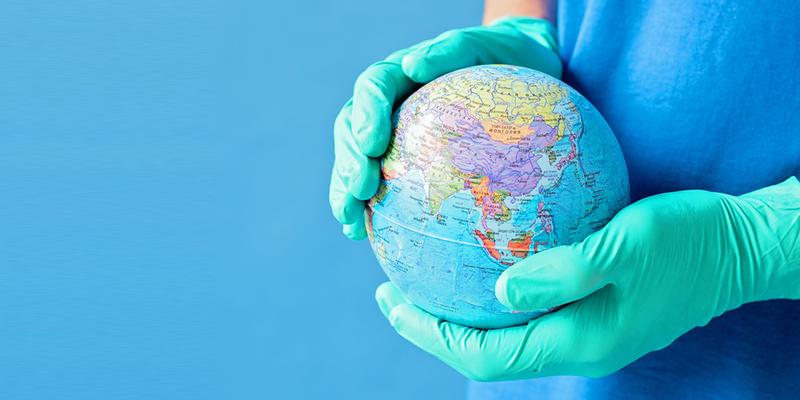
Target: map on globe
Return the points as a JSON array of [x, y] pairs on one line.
[[488, 165]]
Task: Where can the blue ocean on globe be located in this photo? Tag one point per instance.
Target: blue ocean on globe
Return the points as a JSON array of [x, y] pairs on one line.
[[487, 165]]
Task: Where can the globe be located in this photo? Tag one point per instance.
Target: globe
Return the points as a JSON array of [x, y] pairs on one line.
[[488, 165]]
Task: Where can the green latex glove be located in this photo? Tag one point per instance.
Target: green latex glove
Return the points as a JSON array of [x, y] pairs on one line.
[[363, 128], [662, 266]]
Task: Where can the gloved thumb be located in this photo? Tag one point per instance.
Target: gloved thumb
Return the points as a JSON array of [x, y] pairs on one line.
[[548, 279]]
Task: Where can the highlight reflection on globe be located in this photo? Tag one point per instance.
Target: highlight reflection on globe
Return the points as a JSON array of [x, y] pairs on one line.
[[488, 165]]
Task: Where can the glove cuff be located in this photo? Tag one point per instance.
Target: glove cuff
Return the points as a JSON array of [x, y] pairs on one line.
[[540, 30]]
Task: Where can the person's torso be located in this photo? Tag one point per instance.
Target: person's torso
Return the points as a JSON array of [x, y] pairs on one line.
[[701, 95]]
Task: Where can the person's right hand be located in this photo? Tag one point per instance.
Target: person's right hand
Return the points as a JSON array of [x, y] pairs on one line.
[[363, 127]]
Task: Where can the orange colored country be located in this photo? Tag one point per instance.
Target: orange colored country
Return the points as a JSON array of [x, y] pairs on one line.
[[480, 190], [520, 247], [506, 133], [489, 245]]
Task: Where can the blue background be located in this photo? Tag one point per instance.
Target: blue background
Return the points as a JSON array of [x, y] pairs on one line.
[[164, 226]]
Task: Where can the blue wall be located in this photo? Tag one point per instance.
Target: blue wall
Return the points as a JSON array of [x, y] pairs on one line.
[[164, 226]]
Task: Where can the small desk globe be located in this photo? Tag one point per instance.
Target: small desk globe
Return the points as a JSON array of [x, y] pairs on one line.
[[488, 165]]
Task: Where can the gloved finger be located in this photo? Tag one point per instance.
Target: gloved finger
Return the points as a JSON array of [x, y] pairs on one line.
[[445, 340], [356, 230], [346, 208], [388, 297], [579, 339], [375, 94], [359, 174], [476, 46], [548, 279], [477, 354], [561, 343]]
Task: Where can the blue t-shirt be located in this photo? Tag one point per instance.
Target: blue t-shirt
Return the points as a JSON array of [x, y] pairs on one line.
[[701, 95]]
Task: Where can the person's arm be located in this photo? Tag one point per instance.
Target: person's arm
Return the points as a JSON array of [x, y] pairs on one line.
[[496, 9]]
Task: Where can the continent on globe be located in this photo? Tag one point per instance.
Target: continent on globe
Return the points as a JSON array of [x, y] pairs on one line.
[[488, 165]]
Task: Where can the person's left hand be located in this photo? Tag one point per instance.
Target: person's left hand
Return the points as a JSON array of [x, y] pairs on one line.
[[661, 267]]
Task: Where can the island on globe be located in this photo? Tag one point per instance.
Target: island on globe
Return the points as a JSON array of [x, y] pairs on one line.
[[488, 165]]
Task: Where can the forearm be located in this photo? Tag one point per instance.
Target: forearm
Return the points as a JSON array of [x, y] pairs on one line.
[[494, 9], [773, 227]]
